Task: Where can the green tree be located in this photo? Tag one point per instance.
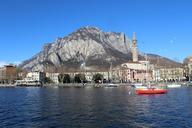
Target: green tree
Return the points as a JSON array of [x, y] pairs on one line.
[[97, 77], [79, 78], [18, 71], [66, 78], [61, 78], [47, 80]]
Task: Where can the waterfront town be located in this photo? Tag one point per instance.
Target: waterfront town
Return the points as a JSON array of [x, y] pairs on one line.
[[132, 71], [95, 64]]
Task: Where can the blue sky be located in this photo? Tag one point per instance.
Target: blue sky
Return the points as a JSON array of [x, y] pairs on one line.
[[163, 26]]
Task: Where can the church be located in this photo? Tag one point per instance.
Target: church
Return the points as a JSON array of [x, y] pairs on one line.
[[135, 70]]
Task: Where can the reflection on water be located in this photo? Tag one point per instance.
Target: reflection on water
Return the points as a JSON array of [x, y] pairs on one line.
[[93, 107]]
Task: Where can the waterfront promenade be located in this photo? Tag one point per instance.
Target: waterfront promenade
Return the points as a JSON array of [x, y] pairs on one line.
[[80, 85], [88, 85]]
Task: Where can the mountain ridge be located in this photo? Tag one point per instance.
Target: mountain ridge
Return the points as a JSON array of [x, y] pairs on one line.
[[87, 46]]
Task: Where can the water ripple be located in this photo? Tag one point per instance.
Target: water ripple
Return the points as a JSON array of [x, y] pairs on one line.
[[95, 108]]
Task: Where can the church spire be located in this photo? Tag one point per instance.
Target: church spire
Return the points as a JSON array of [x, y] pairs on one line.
[[134, 36], [134, 41], [134, 48]]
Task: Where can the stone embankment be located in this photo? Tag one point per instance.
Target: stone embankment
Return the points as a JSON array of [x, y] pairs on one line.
[[7, 85], [75, 85], [87, 85]]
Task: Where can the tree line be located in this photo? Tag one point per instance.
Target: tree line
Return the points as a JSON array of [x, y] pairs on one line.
[[78, 78]]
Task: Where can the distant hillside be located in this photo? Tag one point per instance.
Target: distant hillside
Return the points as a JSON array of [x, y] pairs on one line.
[[162, 61]]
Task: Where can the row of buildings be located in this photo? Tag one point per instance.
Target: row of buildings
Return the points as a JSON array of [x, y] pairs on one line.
[[122, 74], [136, 70]]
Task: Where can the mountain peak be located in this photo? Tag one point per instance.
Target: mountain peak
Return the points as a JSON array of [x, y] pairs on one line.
[[89, 29]]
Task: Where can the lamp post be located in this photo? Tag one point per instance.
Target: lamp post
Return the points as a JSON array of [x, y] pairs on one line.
[[189, 67]]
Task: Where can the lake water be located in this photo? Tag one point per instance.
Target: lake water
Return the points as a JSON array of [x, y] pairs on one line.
[[94, 108]]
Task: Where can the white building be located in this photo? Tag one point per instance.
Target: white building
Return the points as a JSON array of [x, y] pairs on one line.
[[36, 76], [190, 71], [157, 74], [32, 79]]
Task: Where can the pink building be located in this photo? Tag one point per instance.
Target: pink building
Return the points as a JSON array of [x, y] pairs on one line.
[[133, 72]]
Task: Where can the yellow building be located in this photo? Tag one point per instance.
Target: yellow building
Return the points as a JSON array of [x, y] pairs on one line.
[[169, 74], [188, 68]]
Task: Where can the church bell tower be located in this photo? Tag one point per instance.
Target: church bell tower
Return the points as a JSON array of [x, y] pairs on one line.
[[134, 48]]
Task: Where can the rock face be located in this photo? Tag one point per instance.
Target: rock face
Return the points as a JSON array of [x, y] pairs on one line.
[[88, 46], [187, 60]]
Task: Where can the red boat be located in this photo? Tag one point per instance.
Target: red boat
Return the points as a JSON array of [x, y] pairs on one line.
[[151, 91]]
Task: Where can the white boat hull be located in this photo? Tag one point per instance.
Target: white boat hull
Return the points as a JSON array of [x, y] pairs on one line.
[[139, 86], [174, 86]]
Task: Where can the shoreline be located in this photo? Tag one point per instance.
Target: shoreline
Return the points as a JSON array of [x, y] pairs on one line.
[[69, 85], [87, 85], [7, 85]]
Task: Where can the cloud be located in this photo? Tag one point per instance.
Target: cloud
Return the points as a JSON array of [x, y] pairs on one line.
[[2, 63], [17, 62]]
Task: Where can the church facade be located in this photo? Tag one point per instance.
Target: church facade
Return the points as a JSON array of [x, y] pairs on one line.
[[135, 70]]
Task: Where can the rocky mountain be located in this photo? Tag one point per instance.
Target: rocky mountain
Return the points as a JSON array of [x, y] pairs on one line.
[[87, 48]]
